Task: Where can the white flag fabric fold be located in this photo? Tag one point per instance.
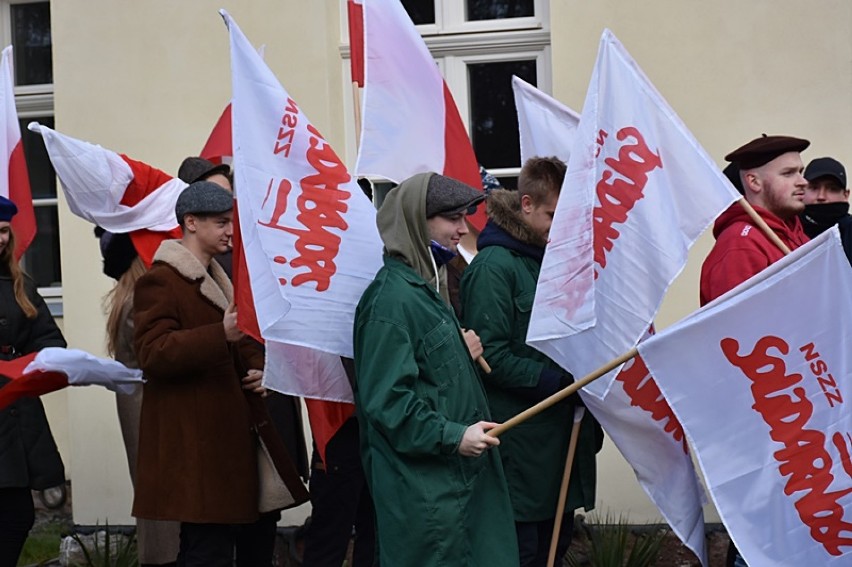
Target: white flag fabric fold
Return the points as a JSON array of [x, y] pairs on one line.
[[761, 385], [308, 231], [111, 190], [634, 414], [638, 192], [546, 127], [84, 369]]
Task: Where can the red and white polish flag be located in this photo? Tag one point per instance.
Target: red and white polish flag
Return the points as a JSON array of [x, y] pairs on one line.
[[638, 192], [114, 191], [308, 232], [762, 387], [14, 178], [634, 413], [410, 122], [54, 368]]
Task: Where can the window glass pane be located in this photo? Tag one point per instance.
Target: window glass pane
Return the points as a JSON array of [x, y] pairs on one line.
[[494, 121], [42, 175], [420, 11], [499, 9], [32, 43], [41, 260], [508, 182]]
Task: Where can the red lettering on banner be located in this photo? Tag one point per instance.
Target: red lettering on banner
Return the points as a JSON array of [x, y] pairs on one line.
[[804, 458], [288, 129], [819, 369], [618, 195], [602, 135], [644, 393], [321, 204]]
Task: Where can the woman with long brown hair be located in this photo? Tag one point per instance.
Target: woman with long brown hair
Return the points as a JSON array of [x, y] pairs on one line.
[[29, 459], [157, 541]]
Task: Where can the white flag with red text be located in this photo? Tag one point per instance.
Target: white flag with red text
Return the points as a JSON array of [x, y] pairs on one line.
[[410, 122], [634, 413], [546, 127], [118, 193], [14, 177], [308, 232], [761, 381], [638, 192]]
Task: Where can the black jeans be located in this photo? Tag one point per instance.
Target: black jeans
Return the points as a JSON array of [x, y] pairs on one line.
[[17, 516], [340, 501], [213, 545], [534, 540]]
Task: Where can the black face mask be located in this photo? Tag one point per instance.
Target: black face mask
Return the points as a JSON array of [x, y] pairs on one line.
[[818, 218]]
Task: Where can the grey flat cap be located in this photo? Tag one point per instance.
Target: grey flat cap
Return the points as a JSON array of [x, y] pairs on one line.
[[197, 169], [203, 197], [446, 196]]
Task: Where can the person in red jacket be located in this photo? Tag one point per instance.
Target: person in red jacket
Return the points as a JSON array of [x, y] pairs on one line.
[[770, 169], [771, 174]]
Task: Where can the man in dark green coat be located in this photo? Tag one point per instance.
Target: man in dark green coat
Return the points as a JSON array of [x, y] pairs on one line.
[[497, 292], [437, 482]]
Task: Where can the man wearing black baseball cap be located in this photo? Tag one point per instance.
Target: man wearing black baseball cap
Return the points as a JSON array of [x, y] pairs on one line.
[[771, 174], [827, 201]]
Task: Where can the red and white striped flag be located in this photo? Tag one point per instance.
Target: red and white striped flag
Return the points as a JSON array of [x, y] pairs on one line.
[[54, 368], [309, 236], [634, 413], [114, 191], [760, 380], [14, 178], [410, 122], [638, 192]]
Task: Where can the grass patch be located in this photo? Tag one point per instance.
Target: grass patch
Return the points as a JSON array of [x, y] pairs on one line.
[[43, 543]]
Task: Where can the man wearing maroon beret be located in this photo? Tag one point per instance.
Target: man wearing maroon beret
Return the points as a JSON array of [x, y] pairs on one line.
[[770, 169], [771, 174]]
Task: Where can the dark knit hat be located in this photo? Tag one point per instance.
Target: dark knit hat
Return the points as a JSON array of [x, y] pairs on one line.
[[762, 150], [446, 196], [8, 209], [117, 251], [826, 167], [197, 169], [203, 197]]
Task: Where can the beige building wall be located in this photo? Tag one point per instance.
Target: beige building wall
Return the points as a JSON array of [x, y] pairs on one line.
[[150, 79]]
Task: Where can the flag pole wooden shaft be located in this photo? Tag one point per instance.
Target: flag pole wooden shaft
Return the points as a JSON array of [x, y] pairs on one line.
[[356, 102], [563, 490], [761, 224], [483, 364], [561, 394]]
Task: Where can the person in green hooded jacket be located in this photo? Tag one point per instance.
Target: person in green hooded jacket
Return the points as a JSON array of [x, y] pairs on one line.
[[435, 475], [497, 292]]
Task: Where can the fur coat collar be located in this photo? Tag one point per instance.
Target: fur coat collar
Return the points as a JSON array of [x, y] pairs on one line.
[[215, 285]]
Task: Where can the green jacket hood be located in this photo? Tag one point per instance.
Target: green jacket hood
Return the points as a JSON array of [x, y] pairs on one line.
[[402, 225]]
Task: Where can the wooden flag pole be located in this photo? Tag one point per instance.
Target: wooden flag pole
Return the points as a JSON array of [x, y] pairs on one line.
[[356, 101], [561, 394], [579, 412], [761, 224]]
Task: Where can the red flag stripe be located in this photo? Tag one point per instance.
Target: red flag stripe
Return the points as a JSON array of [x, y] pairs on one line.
[[219, 144], [24, 223], [459, 159], [356, 41]]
